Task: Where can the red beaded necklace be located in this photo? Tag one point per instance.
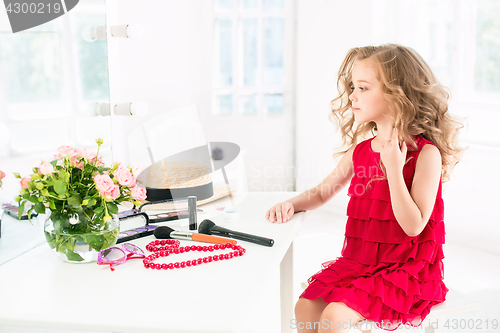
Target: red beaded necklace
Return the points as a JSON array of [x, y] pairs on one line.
[[165, 247]]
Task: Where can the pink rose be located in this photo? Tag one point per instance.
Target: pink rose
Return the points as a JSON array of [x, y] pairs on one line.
[[138, 193], [112, 193], [66, 151], [104, 183], [136, 171], [45, 168], [2, 175], [99, 162], [85, 153], [124, 176], [25, 181]]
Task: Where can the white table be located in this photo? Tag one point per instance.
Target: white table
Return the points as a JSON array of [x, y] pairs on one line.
[[19, 236], [37, 289]]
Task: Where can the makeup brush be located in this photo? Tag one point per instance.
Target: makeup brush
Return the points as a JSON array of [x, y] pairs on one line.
[[208, 227], [165, 232]]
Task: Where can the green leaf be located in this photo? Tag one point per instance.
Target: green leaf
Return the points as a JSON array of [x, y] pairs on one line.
[[40, 208], [62, 175], [72, 255], [60, 187], [75, 200], [21, 210], [52, 205], [17, 175], [98, 210], [33, 199], [110, 238], [50, 239], [95, 241], [64, 243], [112, 208], [29, 214]]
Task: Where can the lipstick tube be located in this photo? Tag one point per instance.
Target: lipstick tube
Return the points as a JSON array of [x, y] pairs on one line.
[[193, 223]]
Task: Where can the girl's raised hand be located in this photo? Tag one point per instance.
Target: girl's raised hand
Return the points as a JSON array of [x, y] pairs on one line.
[[393, 156], [280, 213]]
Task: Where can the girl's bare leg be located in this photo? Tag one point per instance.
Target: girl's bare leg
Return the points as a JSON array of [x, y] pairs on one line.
[[338, 318], [308, 313]]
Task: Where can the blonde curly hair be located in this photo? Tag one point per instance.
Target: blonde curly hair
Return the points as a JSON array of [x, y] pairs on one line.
[[416, 100]]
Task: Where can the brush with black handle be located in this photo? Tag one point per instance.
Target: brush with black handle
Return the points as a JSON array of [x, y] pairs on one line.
[[207, 227], [165, 232]]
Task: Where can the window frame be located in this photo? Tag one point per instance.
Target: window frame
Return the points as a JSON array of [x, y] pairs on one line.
[[237, 90], [63, 109], [469, 106]]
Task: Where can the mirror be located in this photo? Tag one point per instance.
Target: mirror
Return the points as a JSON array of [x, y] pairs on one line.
[[52, 81]]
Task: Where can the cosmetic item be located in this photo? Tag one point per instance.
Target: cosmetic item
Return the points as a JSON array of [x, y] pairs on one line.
[[128, 212], [193, 223], [136, 226], [165, 232], [160, 248], [116, 255], [13, 211], [151, 204], [170, 216], [208, 227], [231, 215]]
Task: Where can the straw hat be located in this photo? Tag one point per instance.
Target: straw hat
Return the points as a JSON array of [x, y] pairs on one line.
[[166, 180]]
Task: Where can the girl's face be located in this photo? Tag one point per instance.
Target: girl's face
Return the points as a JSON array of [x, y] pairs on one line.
[[368, 102]]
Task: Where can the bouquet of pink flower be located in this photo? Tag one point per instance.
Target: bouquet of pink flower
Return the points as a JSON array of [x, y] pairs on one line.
[[78, 186], [2, 176]]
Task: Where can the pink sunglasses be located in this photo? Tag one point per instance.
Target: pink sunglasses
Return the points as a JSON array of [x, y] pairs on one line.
[[116, 255]]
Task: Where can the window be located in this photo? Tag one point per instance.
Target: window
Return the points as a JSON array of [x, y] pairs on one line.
[[484, 60], [49, 78], [249, 57], [459, 40]]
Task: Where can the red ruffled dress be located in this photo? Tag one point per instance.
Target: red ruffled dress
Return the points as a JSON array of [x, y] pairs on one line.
[[383, 274]]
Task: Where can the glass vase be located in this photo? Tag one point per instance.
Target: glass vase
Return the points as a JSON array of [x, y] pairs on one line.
[[79, 240]]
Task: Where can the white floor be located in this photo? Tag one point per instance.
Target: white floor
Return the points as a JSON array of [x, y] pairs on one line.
[[467, 270]]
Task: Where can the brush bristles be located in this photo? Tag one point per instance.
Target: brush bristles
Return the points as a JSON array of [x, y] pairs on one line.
[[163, 232], [205, 227]]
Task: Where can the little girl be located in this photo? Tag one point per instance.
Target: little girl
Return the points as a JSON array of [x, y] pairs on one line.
[[390, 270]]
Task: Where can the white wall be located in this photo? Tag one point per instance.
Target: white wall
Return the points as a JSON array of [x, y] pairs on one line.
[[325, 32], [324, 35], [171, 68]]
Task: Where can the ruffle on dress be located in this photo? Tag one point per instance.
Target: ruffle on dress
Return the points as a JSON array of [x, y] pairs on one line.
[[388, 294], [370, 212], [384, 274]]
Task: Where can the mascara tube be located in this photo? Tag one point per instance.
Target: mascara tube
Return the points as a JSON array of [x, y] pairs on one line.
[[193, 223]]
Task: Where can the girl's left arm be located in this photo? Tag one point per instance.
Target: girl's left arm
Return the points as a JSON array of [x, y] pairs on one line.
[[412, 209]]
